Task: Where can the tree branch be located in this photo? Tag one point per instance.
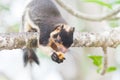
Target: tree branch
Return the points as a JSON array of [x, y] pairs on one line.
[[109, 38], [86, 39], [85, 16], [17, 40]]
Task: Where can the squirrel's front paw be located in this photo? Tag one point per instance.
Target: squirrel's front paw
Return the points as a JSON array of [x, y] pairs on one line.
[[58, 57]]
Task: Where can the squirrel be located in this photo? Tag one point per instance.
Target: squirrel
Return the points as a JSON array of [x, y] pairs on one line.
[[44, 17]]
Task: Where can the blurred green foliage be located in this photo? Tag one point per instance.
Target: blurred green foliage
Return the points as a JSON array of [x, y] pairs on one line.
[[100, 2], [103, 3], [4, 7], [114, 23], [13, 28], [98, 62], [111, 69], [116, 2]]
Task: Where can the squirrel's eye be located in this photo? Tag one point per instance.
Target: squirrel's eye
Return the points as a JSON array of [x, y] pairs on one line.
[[58, 39]]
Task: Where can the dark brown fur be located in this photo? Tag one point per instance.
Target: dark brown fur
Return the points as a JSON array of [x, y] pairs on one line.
[[44, 17]]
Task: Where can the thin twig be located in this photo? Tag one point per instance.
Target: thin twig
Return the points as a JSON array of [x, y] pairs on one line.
[[85, 16], [105, 64], [115, 18]]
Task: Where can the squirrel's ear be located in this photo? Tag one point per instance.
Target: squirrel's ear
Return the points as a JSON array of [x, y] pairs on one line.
[[57, 30]]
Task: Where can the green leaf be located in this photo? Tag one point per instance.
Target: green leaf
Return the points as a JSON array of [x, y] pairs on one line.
[[97, 60], [4, 7], [111, 69], [100, 3], [114, 23], [116, 2]]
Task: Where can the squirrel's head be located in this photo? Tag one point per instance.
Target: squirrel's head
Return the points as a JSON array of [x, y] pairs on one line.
[[61, 38]]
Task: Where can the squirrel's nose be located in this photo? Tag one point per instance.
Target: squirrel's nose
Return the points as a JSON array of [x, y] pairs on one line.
[[62, 49]]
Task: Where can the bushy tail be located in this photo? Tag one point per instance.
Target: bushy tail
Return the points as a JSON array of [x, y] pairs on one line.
[[30, 56]]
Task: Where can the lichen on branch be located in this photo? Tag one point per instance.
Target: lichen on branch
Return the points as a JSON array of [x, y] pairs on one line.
[[17, 40], [109, 38]]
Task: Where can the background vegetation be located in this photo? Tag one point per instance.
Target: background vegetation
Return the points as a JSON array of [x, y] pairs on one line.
[[80, 63]]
